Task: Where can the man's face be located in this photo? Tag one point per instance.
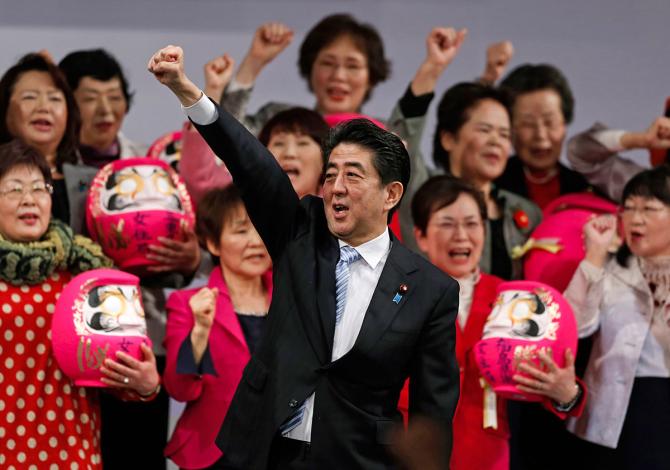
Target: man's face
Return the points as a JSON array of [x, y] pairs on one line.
[[355, 200]]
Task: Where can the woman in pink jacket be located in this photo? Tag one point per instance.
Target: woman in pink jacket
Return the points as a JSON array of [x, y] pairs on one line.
[[212, 331]]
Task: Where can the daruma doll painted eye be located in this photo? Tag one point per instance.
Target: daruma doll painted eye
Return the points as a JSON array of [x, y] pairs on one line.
[[527, 317], [133, 202], [98, 313]]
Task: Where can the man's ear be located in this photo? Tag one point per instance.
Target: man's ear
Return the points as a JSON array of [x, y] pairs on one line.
[[394, 192]]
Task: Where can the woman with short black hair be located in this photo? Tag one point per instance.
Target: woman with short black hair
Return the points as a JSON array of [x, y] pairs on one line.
[[542, 108]]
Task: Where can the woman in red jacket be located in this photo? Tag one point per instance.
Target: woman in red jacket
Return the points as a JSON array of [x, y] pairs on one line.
[[449, 217], [212, 332]]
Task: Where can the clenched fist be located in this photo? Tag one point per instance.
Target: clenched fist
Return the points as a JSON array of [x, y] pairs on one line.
[[269, 41], [498, 56], [167, 65], [203, 306], [218, 73], [657, 136], [442, 45], [600, 235]]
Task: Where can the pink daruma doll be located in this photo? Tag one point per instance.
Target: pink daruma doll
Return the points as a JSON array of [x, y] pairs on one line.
[[133, 202], [527, 317], [556, 246], [98, 313], [167, 148]]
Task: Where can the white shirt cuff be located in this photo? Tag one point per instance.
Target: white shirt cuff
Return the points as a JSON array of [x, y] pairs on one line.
[[610, 139], [201, 112], [234, 85]]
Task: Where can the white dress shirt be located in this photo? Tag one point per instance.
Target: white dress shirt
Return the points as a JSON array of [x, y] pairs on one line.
[[465, 293], [363, 273]]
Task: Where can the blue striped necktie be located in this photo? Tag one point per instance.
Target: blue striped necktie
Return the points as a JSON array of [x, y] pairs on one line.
[[348, 255]]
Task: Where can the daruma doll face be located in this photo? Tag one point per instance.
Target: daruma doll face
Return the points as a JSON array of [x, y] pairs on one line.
[[525, 315], [133, 203], [527, 318], [114, 310], [98, 313], [142, 187]]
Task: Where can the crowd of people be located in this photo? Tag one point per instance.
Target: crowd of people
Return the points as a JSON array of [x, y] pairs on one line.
[[207, 293]]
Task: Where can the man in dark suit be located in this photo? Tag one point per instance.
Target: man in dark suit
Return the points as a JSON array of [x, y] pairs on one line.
[[353, 313]]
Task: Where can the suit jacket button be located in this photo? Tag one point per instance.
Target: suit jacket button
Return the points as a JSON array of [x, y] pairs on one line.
[[293, 403]]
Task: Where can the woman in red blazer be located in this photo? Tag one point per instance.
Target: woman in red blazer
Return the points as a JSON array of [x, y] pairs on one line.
[[211, 332], [449, 217]]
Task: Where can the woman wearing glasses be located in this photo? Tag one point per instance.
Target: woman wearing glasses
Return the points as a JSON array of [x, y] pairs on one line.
[[542, 109], [46, 420], [450, 224], [624, 301]]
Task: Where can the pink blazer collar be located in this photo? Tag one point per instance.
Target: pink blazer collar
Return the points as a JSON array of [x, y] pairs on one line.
[[225, 312]]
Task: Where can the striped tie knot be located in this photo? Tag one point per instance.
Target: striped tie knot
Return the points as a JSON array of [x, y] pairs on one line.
[[348, 255]]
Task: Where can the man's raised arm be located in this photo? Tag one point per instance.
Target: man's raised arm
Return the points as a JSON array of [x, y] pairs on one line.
[[269, 198]]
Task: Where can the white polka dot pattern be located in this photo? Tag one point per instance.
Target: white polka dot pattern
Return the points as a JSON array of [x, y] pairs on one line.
[[45, 423]]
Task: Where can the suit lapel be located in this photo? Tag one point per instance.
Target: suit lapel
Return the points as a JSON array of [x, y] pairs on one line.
[[229, 320], [382, 309], [632, 275]]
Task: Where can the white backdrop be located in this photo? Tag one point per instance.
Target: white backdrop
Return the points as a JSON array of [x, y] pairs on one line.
[[613, 52]]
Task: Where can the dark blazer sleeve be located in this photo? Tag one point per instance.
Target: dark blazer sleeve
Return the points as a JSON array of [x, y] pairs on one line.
[[434, 376], [268, 195]]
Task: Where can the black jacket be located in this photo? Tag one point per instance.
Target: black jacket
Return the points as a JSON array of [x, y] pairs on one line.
[[513, 179], [356, 396]]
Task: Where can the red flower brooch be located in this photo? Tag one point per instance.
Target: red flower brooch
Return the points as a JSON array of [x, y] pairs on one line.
[[521, 219]]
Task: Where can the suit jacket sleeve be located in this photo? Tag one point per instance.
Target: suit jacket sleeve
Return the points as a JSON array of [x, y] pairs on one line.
[[268, 195], [602, 167], [408, 120], [434, 377], [585, 294], [198, 166]]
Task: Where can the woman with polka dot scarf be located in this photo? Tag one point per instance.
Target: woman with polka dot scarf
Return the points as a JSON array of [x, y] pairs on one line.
[[45, 420]]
